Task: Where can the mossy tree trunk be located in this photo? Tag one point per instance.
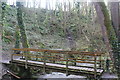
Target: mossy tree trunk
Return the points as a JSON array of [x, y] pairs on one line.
[[115, 18], [21, 26], [0, 42], [101, 9], [17, 38], [0, 55], [3, 19], [101, 20]]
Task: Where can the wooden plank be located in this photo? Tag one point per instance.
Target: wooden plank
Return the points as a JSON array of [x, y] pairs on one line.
[[22, 49], [17, 54], [72, 61], [36, 57], [95, 68], [100, 65], [86, 59], [60, 51], [85, 62], [30, 55], [44, 65], [67, 64], [57, 66], [57, 59], [83, 54]]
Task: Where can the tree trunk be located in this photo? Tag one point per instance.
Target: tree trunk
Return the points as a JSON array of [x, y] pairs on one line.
[[3, 19], [115, 15], [114, 8], [103, 14], [0, 43], [0, 54], [21, 26], [17, 36], [103, 27]]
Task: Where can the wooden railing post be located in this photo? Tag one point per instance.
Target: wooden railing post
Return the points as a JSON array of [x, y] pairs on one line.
[[44, 65], [26, 58], [100, 61], [67, 64], [12, 57], [95, 67]]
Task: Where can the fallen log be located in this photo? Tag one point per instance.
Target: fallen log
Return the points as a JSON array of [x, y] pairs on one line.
[[13, 74]]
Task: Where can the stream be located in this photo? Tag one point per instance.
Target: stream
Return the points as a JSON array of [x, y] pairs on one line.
[[52, 76]]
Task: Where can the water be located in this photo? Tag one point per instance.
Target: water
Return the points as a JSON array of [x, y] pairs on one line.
[[52, 76], [60, 76]]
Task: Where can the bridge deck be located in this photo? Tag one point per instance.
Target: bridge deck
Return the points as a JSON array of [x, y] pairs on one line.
[[58, 66]]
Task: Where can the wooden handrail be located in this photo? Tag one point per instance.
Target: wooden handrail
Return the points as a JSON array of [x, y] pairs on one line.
[[28, 55], [37, 56], [46, 50], [61, 51], [85, 59], [56, 59], [85, 62]]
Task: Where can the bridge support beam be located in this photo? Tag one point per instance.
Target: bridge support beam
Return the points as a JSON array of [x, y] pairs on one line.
[[44, 65]]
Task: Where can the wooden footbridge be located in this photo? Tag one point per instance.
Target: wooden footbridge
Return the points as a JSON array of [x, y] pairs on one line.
[[90, 63]]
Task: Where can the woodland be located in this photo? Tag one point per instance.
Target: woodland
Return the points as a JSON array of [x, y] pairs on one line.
[[77, 26]]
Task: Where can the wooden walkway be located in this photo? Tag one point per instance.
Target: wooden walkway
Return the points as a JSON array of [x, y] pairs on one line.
[[47, 60], [58, 66]]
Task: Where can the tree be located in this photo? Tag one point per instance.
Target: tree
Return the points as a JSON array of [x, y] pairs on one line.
[[21, 26], [0, 44], [0, 55], [115, 15], [114, 8], [3, 19], [17, 37], [103, 14]]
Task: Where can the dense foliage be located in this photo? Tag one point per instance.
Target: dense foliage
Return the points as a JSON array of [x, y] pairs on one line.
[[46, 28]]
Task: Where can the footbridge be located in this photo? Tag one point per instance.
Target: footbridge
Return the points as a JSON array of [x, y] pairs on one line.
[[70, 62]]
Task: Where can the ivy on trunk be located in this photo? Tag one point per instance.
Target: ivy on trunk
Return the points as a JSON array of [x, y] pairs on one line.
[[21, 26]]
